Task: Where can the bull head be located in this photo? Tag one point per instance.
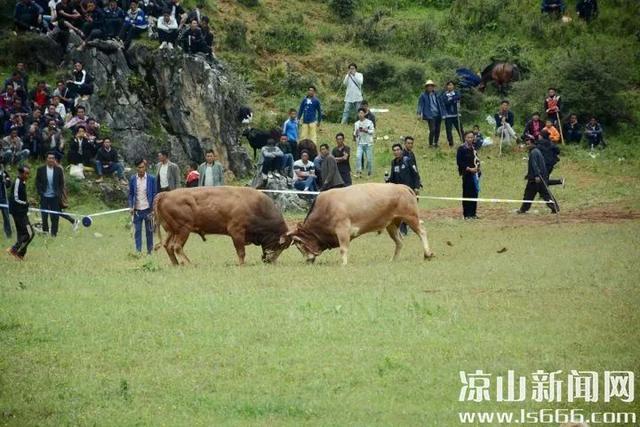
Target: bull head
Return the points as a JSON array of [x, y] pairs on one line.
[[305, 242], [271, 255]]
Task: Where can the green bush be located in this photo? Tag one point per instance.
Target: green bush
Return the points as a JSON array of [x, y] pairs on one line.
[[343, 9], [372, 32], [289, 38], [387, 82], [236, 35], [417, 40], [249, 3]]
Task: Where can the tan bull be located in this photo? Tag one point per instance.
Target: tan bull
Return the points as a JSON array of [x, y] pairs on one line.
[[340, 215], [246, 215]]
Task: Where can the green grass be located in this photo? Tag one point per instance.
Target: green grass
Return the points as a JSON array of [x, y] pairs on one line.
[[92, 336]]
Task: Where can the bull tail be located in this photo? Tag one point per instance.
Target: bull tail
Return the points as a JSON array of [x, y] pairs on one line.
[[157, 220]]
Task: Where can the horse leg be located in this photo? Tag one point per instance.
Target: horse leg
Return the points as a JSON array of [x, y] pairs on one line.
[[394, 233]]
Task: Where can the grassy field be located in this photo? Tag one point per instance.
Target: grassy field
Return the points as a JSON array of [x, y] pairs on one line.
[[91, 335]]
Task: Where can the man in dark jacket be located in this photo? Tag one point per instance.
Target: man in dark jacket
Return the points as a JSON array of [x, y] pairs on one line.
[[5, 184], [113, 19], [107, 162], [193, 39], [329, 173], [469, 170], [27, 16], [402, 172], [50, 187], [450, 114], [551, 154], [410, 158], [81, 150], [342, 153], [593, 134], [19, 207], [587, 9], [537, 177], [572, 130]]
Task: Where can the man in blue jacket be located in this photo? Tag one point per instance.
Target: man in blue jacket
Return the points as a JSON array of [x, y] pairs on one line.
[[430, 109], [311, 114], [142, 191], [450, 114]]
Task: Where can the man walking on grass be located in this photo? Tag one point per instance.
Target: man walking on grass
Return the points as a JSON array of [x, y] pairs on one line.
[[537, 180], [19, 207]]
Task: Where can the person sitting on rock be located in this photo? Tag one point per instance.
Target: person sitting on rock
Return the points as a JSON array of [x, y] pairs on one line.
[[81, 150], [80, 119], [553, 133], [13, 151], [93, 24], [27, 16], [113, 19], [15, 122], [193, 39], [167, 30], [287, 159], [65, 96], [52, 114], [6, 101], [40, 95], [33, 142], [207, 35], [272, 158], [107, 162], [82, 82], [135, 23], [304, 178], [533, 127], [53, 140]]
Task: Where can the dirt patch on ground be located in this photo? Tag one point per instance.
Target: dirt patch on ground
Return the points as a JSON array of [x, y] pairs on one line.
[[540, 215]]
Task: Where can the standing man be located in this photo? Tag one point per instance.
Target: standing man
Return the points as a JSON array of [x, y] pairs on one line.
[[5, 184], [290, 129], [19, 207], [552, 106], [142, 191], [50, 187], [211, 173], [537, 178], [363, 135], [410, 158], [430, 109], [352, 99], [310, 112], [342, 153], [469, 170], [451, 115], [329, 173], [168, 173], [402, 172]]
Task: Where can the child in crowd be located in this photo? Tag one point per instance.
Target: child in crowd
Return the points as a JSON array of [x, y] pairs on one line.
[[192, 175]]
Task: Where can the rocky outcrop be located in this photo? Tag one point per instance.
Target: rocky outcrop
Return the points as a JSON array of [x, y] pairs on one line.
[[153, 99]]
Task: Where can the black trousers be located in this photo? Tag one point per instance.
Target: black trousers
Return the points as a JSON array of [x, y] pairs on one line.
[[469, 190], [449, 124], [534, 188], [24, 232], [168, 36], [50, 204], [434, 131]]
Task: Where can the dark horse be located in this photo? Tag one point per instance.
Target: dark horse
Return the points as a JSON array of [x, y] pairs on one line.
[[502, 73]]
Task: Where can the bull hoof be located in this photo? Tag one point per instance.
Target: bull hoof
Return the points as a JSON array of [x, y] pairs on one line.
[[429, 256], [157, 246]]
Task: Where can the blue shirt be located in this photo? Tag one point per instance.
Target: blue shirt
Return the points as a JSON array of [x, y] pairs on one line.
[[290, 128], [49, 192], [310, 110]]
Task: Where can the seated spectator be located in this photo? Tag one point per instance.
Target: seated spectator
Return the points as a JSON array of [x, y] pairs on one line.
[[479, 138], [272, 158], [211, 173], [6, 101], [40, 95], [593, 134], [59, 107], [52, 139], [107, 162], [81, 85], [178, 12], [193, 40], [19, 109], [64, 95], [153, 11], [32, 141], [93, 24], [22, 70], [113, 19], [167, 30], [330, 176], [572, 130], [304, 177], [207, 35], [19, 85], [27, 16], [554, 135], [287, 159], [36, 117], [555, 7], [195, 14], [533, 127], [587, 9], [52, 114], [81, 150], [15, 122], [93, 129], [193, 176], [135, 23], [80, 119], [69, 18], [13, 151]]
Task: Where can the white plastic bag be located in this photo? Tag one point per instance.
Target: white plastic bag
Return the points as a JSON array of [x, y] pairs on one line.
[[77, 171]]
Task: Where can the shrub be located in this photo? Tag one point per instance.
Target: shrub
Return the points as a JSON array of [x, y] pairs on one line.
[[372, 32], [290, 38], [343, 9], [417, 39], [236, 35], [249, 3]]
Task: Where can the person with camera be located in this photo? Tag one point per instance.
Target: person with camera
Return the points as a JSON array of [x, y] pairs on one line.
[[353, 97], [363, 135]]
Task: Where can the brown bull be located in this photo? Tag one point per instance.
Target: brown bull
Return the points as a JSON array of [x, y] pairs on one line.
[[342, 214], [246, 215]]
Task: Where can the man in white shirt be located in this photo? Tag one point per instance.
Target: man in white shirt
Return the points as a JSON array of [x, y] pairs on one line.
[[363, 135], [141, 194], [352, 99], [211, 173], [168, 173], [304, 176]]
